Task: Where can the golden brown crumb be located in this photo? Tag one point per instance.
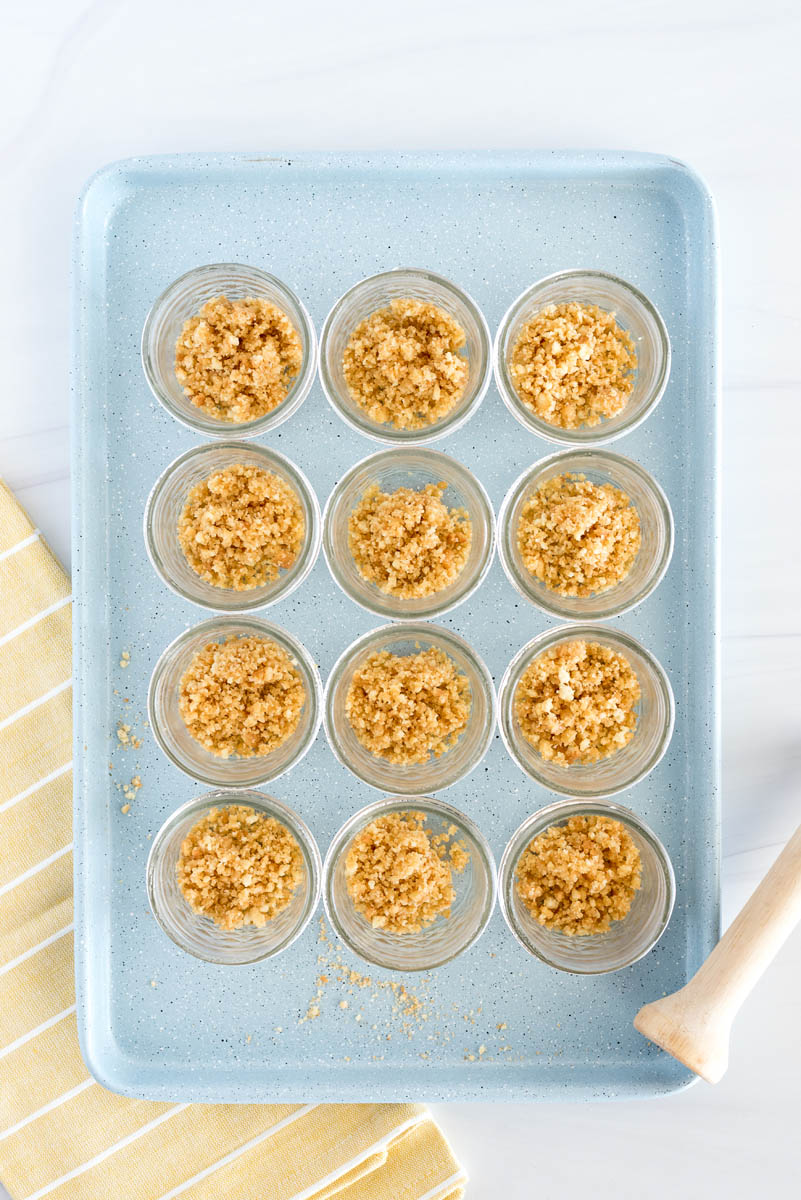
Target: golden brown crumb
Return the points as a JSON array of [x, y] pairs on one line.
[[126, 738], [579, 877], [129, 790], [402, 364], [396, 877], [239, 867], [404, 708], [407, 542], [237, 359], [242, 696], [572, 364], [576, 701], [240, 527], [578, 537]]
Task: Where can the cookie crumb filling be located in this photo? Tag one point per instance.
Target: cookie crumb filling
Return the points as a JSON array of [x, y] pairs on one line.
[[237, 359], [239, 867], [407, 542], [243, 696], [241, 527], [579, 877], [573, 365], [403, 365], [575, 703], [404, 708], [399, 875], [578, 537]]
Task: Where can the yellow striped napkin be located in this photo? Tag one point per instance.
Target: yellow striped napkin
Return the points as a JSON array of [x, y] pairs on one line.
[[61, 1134]]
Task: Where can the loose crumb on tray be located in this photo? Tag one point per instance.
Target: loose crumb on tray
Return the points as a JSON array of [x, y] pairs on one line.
[[403, 365], [575, 703], [578, 537], [239, 867], [579, 877], [240, 527], [573, 365], [399, 876], [242, 696], [407, 542], [404, 708], [237, 359]]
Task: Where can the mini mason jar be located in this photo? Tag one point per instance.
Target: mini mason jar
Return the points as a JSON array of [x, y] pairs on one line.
[[185, 751], [198, 934], [633, 311], [367, 297], [412, 468], [626, 940], [414, 778], [446, 937], [166, 503], [183, 299], [656, 532], [624, 767]]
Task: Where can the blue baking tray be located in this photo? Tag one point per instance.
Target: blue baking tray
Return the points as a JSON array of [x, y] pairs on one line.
[[496, 1024]]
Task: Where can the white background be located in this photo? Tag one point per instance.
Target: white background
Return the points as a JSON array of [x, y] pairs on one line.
[[714, 82]]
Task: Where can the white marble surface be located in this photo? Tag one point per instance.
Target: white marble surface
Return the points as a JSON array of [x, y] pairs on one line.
[[715, 82]]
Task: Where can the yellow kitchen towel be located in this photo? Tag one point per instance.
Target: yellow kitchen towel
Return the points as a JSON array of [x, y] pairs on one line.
[[61, 1134]]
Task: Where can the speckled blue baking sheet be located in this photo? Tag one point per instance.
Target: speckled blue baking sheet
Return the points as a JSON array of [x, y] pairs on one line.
[[495, 1024]]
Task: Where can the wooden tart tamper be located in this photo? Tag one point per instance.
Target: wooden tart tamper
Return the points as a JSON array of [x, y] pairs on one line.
[[694, 1023]]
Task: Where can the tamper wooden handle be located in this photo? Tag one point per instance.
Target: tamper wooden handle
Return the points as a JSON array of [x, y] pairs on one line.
[[694, 1023]]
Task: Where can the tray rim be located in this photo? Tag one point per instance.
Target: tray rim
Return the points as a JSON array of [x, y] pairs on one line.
[[110, 1068]]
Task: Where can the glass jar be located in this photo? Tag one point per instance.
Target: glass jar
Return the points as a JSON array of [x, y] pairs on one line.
[[626, 940], [183, 299], [656, 532], [376, 292], [166, 503], [446, 937], [198, 934], [412, 468], [620, 770], [634, 312], [186, 752], [412, 779]]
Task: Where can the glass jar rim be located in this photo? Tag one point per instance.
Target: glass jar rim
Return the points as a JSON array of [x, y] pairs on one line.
[[427, 804], [552, 814], [554, 433], [268, 805], [398, 453], [459, 415], [312, 539], [214, 626], [243, 430], [530, 476]]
